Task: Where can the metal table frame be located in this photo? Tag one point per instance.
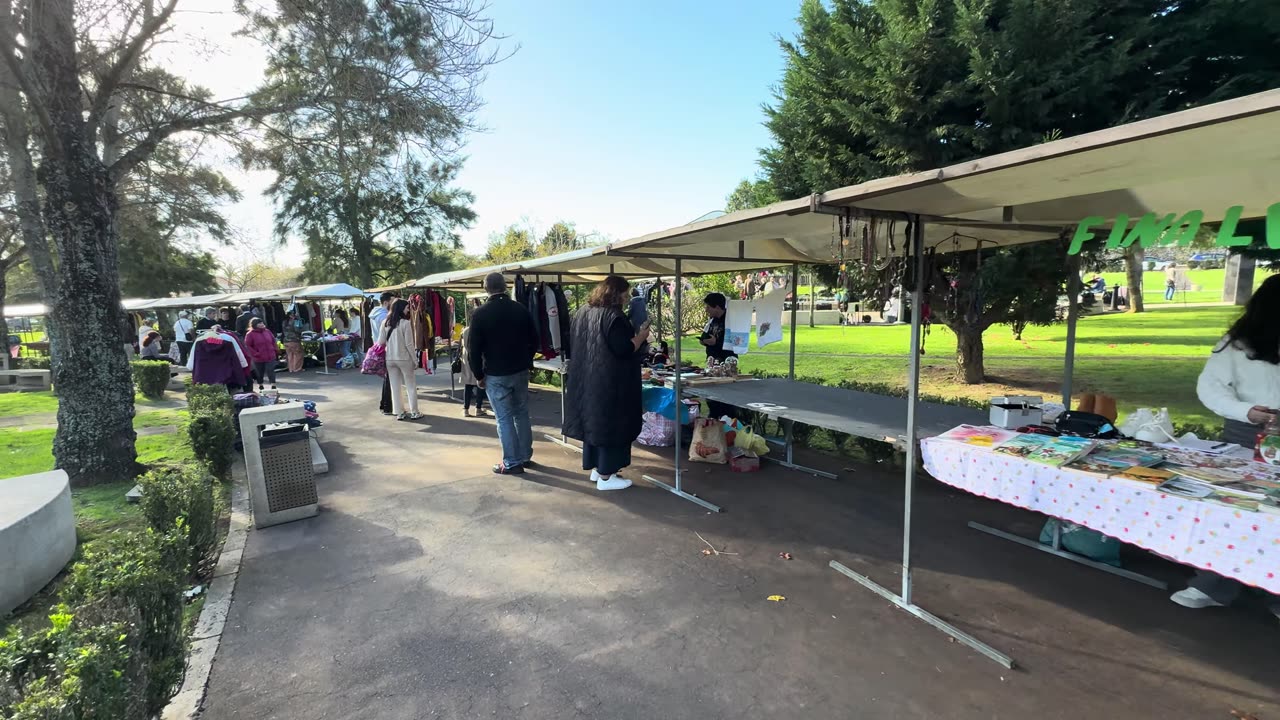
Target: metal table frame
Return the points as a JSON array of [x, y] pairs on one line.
[[560, 368]]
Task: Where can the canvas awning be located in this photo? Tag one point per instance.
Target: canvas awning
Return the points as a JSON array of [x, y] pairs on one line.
[[1208, 158], [331, 291], [20, 311]]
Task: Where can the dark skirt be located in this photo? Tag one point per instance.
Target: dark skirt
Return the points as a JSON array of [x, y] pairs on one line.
[[1242, 434], [605, 459]]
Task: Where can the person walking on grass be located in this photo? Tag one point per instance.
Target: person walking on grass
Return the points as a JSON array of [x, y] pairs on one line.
[[260, 343], [397, 337], [602, 403], [502, 341]]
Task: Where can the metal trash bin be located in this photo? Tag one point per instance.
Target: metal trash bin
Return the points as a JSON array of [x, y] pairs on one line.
[[286, 467]]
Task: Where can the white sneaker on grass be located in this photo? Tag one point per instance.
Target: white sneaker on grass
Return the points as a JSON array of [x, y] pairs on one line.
[[613, 482], [1193, 598]]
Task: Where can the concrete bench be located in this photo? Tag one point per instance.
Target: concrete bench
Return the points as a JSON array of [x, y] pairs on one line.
[[37, 534], [30, 379]]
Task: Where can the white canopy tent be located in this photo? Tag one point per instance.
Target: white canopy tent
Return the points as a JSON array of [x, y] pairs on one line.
[[1208, 159], [331, 291]]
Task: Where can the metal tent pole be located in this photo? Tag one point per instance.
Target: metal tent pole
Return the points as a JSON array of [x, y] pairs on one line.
[[913, 397], [660, 293], [1073, 315], [813, 296], [563, 372], [678, 489], [795, 302]]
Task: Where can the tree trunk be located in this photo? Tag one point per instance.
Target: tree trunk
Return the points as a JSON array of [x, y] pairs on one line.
[[4, 324], [1135, 265], [95, 438], [969, 361]]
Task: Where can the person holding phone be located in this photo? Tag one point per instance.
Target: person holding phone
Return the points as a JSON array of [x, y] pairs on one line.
[[713, 333], [1241, 384], [602, 403]]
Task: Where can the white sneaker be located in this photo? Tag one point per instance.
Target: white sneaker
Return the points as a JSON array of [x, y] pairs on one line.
[[613, 482], [1193, 598]]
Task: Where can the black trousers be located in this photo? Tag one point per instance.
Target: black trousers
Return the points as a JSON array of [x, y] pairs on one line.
[[385, 404], [475, 391]]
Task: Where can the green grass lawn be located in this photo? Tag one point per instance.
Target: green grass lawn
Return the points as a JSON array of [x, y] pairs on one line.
[[1144, 360], [41, 403], [27, 403], [1189, 332], [1206, 285], [23, 452]]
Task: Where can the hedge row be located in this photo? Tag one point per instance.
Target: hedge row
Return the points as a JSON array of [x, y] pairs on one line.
[[116, 647]]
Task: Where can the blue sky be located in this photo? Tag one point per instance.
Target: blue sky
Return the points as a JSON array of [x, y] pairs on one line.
[[624, 118]]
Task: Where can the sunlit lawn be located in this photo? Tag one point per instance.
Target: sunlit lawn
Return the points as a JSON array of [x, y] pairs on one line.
[[23, 452], [1144, 360]]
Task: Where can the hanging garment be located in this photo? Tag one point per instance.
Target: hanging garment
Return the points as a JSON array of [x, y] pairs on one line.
[[539, 319], [562, 306], [522, 291], [553, 318], [737, 325], [317, 318], [218, 359], [450, 318], [769, 317], [420, 321]]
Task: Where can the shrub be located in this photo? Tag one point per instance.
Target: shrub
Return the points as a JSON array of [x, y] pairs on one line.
[[212, 436], [86, 665], [212, 398], [212, 430], [31, 363], [151, 377], [183, 497], [145, 572]]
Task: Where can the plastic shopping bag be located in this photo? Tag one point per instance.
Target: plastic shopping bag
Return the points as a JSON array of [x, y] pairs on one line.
[[748, 440], [708, 444], [375, 362]]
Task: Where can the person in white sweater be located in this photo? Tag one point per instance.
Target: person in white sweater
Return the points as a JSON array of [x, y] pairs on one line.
[[397, 337], [1241, 384]]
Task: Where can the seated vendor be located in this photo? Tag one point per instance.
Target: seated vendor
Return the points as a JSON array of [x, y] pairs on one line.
[[1241, 383]]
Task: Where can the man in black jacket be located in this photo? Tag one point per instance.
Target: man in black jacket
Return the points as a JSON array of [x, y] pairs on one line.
[[500, 348]]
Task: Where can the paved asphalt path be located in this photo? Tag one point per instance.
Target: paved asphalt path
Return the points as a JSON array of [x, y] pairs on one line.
[[430, 588]]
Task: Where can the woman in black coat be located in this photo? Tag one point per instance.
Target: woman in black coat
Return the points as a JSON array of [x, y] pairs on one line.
[[602, 399]]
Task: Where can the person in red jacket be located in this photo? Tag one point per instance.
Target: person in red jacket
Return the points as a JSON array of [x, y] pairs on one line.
[[261, 346]]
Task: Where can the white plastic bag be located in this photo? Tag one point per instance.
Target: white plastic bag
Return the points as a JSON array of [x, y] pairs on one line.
[[1148, 424]]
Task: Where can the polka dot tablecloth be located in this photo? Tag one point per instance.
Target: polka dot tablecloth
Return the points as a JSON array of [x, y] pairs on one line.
[[1235, 543]]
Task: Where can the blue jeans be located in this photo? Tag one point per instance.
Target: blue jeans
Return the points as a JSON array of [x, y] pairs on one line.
[[1168, 292], [509, 398]]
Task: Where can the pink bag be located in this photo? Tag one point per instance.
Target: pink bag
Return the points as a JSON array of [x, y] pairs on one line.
[[375, 361]]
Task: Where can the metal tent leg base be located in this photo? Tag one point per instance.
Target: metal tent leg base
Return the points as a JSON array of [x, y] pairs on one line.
[[562, 442], [1128, 574], [680, 493], [924, 615], [801, 468]]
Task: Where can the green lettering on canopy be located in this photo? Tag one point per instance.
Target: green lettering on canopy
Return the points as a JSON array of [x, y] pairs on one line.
[[1151, 230], [1227, 232]]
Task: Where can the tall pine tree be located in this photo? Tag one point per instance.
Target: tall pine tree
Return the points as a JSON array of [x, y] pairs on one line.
[[874, 88]]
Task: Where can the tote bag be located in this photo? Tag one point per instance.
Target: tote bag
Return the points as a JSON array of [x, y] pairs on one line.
[[375, 361]]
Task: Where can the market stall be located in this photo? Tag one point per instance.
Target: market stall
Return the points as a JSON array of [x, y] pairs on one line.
[[331, 292], [1212, 158]]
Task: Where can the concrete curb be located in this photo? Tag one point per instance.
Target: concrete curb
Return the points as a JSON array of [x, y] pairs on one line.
[[205, 638]]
